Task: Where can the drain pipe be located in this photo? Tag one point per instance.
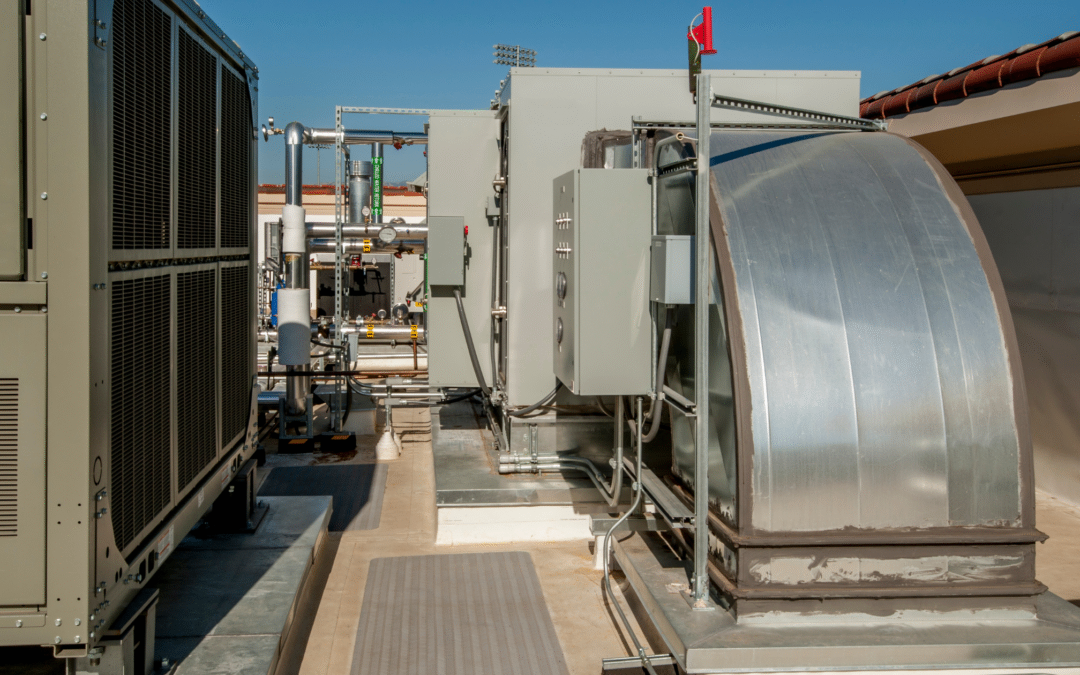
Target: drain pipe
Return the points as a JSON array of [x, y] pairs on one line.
[[294, 314]]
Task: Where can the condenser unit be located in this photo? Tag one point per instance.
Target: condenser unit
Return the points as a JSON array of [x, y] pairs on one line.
[[126, 300]]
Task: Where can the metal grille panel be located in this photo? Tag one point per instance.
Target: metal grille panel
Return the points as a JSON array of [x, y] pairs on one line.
[[197, 120], [141, 383], [196, 395], [141, 92], [235, 352], [9, 457], [235, 160]]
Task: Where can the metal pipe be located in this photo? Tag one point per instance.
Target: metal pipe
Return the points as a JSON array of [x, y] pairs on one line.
[[363, 137], [401, 333], [359, 192], [296, 388], [377, 182], [638, 493], [702, 282], [402, 231], [670, 140], [388, 363], [294, 163], [367, 245]]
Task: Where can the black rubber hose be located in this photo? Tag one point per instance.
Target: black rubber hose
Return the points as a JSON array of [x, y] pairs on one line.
[[463, 397], [469, 343], [542, 402], [348, 404]]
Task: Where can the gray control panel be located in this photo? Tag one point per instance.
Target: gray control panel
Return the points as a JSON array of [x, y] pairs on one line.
[[601, 267]]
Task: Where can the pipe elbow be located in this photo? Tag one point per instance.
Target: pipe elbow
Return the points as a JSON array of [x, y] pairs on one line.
[[294, 133]]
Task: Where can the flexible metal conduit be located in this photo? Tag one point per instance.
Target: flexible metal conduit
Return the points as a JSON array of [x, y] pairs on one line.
[[469, 343]]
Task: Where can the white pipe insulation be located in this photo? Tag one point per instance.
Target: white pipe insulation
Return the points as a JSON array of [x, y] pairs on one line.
[[294, 326]]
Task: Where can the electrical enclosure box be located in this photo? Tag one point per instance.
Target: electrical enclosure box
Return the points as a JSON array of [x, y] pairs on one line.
[[602, 324], [446, 250], [672, 269]]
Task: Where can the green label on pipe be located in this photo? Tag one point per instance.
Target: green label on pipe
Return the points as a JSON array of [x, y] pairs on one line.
[[376, 186]]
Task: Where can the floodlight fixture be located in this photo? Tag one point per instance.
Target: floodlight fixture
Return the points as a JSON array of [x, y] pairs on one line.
[[514, 56]]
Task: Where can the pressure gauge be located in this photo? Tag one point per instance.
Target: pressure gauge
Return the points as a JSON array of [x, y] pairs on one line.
[[560, 286], [558, 331], [387, 235], [366, 211]]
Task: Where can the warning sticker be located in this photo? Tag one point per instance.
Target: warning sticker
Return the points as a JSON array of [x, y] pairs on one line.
[[371, 331], [225, 475], [367, 246], [201, 497], [413, 332], [341, 438], [164, 545], [298, 441]]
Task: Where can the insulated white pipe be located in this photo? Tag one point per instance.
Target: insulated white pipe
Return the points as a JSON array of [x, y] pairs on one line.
[[294, 326], [294, 230]]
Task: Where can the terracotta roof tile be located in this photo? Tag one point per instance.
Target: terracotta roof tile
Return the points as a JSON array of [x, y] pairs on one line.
[[1024, 63]]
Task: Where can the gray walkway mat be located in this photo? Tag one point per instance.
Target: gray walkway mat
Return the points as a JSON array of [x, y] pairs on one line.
[[467, 614], [357, 490]]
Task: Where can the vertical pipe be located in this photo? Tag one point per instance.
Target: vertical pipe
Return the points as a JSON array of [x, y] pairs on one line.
[[296, 388], [702, 282], [294, 164], [377, 182], [359, 190]]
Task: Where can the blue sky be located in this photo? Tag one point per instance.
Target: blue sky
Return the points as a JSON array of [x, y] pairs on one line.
[[316, 54]]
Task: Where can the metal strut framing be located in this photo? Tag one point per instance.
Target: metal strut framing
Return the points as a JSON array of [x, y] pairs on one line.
[[339, 315], [829, 119], [702, 281]]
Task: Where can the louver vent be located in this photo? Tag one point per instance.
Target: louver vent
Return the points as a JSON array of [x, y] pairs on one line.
[[9, 457], [141, 90], [197, 120], [235, 354], [235, 160], [140, 430], [195, 366]]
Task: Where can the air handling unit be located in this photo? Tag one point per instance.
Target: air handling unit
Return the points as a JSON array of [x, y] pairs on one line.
[[126, 300]]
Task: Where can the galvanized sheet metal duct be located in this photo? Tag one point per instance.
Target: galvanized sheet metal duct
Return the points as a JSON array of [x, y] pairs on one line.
[[875, 384]]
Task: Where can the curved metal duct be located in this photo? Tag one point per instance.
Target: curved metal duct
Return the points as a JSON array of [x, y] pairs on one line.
[[866, 385]]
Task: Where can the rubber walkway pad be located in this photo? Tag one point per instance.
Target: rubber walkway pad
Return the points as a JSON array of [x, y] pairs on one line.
[[467, 614], [357, 490]]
